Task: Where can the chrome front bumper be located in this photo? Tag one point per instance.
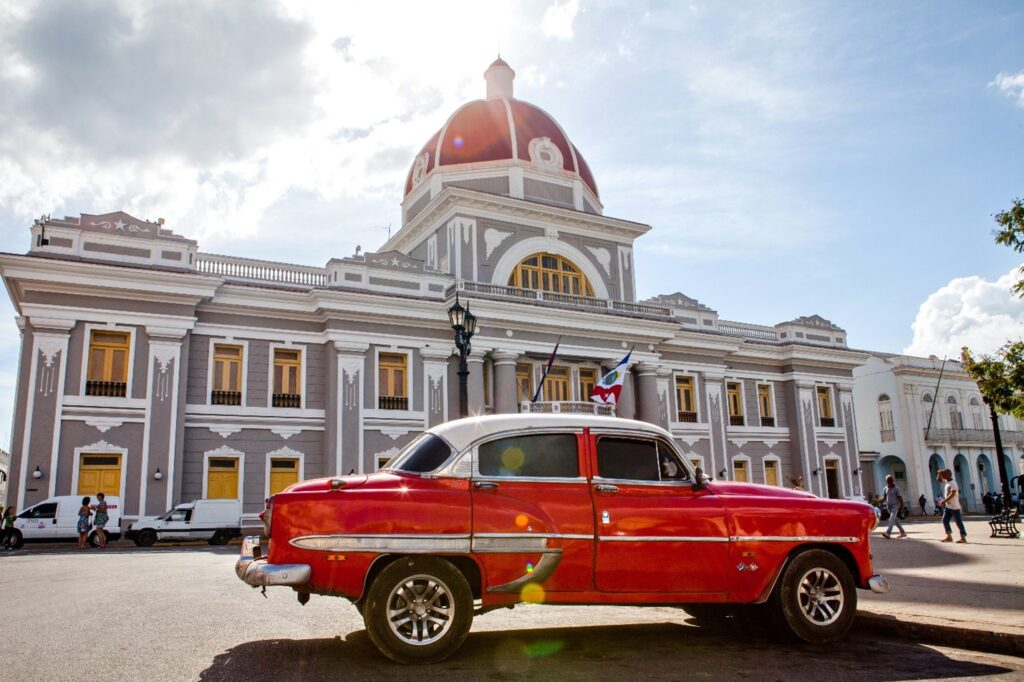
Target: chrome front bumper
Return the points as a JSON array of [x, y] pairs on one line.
[[878, 584], [258, 573]]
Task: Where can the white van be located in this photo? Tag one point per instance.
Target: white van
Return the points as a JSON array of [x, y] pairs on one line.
[[56, 519], [216, 521]]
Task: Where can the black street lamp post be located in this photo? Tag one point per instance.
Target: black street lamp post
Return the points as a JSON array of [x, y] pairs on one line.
[[464, 325]]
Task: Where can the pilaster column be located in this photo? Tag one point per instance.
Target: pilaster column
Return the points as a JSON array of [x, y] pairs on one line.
[[45, 402], [717, 419], [475, 362], [505, 392], [435, 384], [626, 407], [807, 439], [160, 431], [850, 431], [349, 406], [664, 396], [647, 392]]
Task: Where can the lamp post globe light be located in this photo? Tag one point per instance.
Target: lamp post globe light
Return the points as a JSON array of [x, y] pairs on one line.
[[463, 324]]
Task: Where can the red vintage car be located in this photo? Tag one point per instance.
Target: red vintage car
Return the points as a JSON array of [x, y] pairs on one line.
[[488, 512]]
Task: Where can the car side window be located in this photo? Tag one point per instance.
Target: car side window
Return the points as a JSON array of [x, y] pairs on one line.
[[638, 459], [630, 459], [41, 511], [551, 455], [179, 515]]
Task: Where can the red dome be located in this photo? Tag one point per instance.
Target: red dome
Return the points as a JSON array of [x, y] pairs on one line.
[[499, 129]]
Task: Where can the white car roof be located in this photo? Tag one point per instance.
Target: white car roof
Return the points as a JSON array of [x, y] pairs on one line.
[[461, 433]]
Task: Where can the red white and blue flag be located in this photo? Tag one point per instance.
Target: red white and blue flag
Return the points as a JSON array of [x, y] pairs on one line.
[[608, 389]]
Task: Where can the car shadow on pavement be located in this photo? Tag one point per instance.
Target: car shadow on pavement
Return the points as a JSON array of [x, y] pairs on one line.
[[663, 651]]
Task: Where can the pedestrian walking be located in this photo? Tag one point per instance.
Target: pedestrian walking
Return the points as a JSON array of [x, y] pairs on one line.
[[101, 519], [894, 503], [951, 507], [923, 501], [84, 512], [7, 528]]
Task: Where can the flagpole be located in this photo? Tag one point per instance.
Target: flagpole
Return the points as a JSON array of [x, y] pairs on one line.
[[547, 369]]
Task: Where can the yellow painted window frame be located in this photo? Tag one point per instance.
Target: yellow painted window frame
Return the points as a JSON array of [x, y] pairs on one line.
[[557, 384], [221, 355], [685, 397], [388, 367], [558, 278], [734, 396], [588, 380], [286, 363], [764, 400], [824, 402], [109, 348], [524, 381]]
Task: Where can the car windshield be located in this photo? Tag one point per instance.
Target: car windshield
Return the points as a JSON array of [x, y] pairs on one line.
[[423, 455]]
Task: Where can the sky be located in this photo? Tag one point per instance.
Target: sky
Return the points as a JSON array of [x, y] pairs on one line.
[[841, 159]]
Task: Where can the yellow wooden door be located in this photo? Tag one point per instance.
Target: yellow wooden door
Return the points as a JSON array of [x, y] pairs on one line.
[[739, 470], [556, 385], [771, 473], [99, 474], [283, 473], [222, 478]]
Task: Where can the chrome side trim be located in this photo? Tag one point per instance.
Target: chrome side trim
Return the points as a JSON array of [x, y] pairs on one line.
[[794, 538], [514, 544], [553, 536], [411, 544], [878, 584], [662, 538], [545, 567]]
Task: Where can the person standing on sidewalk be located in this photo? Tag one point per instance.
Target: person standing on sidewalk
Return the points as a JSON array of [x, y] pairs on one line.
[[894, 503], [101, 519], [923, 502], [951, 507]]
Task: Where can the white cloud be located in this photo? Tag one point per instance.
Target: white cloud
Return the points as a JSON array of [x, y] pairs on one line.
[[969, 311], [1012, 85], [558, 19]]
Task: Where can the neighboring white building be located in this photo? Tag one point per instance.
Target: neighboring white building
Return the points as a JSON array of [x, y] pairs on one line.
[[911, 424]]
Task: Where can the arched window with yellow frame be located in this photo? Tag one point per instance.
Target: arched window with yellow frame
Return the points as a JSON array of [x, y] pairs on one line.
[[548, 272]]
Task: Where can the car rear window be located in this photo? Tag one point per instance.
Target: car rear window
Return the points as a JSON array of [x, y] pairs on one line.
[[551, 455], [425, 454]]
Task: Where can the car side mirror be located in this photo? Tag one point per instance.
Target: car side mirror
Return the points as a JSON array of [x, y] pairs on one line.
[[698, 481]]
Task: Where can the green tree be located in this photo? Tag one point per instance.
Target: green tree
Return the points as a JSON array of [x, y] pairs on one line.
[[1011, 233], [1000, 379]]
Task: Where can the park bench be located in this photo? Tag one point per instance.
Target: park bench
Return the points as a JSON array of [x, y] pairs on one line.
[[1005, 523]]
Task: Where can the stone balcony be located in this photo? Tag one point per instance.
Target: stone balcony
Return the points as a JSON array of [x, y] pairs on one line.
[[981, 437]]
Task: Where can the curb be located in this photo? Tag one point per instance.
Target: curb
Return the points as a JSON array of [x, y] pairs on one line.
[[944, 635]]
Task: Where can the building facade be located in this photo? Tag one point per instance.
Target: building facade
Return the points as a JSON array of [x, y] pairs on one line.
[[165, 374], [916, 416], [5, 476]]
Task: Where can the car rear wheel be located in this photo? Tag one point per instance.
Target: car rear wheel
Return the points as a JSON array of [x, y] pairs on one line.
[[146, 538], [418, 610], [816, 599], [221, 537]]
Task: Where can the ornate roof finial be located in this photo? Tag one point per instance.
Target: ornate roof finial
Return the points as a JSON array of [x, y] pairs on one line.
[[499, 77]]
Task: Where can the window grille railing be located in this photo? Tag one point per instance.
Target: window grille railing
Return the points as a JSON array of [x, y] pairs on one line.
[[286, 400], [687, 416], [828, 422], [388, 402], [736, 420], [767, 421], [225, 397], [107, 389]]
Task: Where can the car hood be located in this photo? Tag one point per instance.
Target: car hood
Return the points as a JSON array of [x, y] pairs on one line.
[[318, 484], [756, 490]]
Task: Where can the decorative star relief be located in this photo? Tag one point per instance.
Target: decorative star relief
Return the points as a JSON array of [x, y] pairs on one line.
[[119, 226]]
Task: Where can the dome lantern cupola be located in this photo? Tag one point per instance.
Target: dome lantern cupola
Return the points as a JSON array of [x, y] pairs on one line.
[[499, 76]]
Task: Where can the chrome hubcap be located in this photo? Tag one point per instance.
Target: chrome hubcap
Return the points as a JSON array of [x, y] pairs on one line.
[[821, 596], [420, 610]]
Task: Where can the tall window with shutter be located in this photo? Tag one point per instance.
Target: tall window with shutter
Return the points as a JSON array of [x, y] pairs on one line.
[[108, 364], [392, 377], [287, 378], [227, 375]]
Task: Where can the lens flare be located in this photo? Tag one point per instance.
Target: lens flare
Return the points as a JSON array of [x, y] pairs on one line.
[[532, 594], [512, 459], [457, 142], [542, 648], [522, 520], [529, 567]]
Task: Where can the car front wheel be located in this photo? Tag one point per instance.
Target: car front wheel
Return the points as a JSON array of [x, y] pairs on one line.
[[816, 598], [418, 610], [145, 538]]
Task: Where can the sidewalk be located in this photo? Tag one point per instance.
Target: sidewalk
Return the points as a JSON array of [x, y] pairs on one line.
[[968, 595]]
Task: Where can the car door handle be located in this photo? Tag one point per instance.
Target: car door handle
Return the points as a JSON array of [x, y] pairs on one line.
[[606, 488], [485, 485]]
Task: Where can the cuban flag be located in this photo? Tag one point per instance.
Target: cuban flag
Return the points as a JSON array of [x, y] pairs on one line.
[[608, 389]]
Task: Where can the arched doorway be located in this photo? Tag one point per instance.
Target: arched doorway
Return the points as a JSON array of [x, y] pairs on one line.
[[935, 464], [962, 475], [894, 466], [985, 477]]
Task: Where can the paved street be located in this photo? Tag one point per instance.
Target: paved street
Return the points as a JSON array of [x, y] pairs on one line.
[[180, 614]]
